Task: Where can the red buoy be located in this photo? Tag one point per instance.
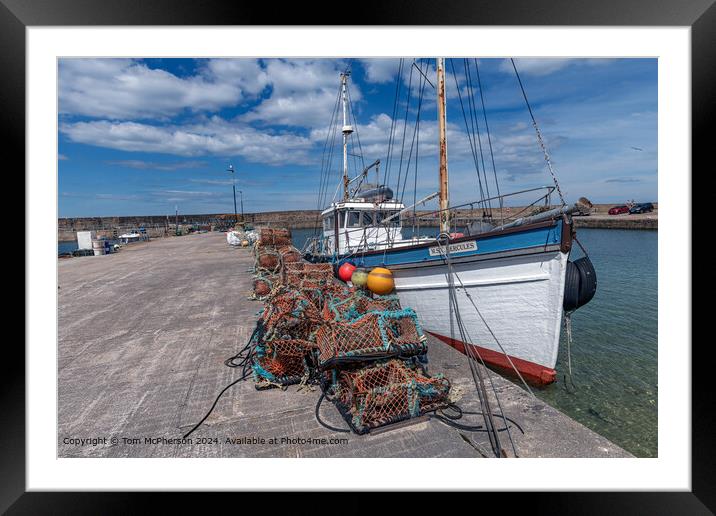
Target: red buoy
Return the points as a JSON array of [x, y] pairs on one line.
[[346, 271]]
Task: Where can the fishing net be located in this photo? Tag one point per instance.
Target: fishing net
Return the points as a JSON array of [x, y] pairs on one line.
[[385, 393]]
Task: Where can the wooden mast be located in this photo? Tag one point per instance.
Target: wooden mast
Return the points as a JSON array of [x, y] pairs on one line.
[[444, 196]]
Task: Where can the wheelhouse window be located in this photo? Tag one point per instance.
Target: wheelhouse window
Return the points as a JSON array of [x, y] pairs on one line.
[[367, 218], [328, 222], [354, 219]]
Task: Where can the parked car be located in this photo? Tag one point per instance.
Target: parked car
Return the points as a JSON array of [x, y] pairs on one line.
[[618, 210], [644, 207]]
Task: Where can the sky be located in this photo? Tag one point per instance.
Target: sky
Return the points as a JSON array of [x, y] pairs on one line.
[[148, 136]]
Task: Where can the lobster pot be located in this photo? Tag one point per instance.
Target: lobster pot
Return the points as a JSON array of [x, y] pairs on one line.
[[386, 393], [292, 274], [289, 254], [274, 237], [321, 273], [268, 259], [291, 314], [378, 334], [262, 286], [364, 303], [280, 362], [352, 304]]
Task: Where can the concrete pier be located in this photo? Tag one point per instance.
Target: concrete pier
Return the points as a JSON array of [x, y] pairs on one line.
[[143, 335]]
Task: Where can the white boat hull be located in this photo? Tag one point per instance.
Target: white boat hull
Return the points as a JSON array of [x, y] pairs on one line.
[[519, 297]]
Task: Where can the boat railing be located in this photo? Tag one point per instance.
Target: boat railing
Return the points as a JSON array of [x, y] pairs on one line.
[[312, 245], [465, 214], [463, 217]]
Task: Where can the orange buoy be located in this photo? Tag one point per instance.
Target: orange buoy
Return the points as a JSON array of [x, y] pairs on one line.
[[345, 271], [359, 278], [380, 281]]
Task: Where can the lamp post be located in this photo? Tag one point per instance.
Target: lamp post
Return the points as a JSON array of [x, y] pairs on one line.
[[233, 186], [241, 197]]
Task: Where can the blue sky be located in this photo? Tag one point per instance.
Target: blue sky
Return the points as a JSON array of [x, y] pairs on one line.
[[141, 136]]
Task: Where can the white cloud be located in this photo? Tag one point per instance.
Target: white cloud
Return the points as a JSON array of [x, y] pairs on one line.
[[381, 70], [546, 65], [122, 89], [535, 66], [151, 165], [303, 93], [214, 136]]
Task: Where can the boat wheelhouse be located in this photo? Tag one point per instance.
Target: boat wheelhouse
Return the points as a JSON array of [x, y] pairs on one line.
[[355, 225]]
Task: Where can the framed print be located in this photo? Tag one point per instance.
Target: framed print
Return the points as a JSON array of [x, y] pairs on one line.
[[462, 234]]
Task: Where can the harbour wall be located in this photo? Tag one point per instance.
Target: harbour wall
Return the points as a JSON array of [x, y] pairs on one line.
[[162, 225]]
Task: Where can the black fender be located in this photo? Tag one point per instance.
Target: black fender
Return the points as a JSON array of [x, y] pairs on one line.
[[580, 284]]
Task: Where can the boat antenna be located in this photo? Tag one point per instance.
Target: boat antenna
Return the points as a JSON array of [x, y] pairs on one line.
[[347, 130], [444, 200]]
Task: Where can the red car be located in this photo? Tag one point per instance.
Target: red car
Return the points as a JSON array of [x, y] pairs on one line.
[[618, 210]]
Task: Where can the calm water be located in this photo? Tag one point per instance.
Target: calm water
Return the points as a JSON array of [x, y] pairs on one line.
[[614, 349], [66, 247]]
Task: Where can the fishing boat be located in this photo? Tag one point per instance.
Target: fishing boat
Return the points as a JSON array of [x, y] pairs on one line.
[[492, 287]]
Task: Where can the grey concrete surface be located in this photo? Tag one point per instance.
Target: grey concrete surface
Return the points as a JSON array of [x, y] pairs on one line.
[[143, 335]]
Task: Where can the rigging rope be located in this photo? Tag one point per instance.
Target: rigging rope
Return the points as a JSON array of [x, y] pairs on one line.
[[539, 134], [326, 162], [443, 241], [416, 128], [489, 139], [391, 138], [568, 331], [476, 128], [405, 128], [469, 137]]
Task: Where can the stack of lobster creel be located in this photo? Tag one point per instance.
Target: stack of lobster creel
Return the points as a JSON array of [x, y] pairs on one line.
[[273, 252], [366, 352]]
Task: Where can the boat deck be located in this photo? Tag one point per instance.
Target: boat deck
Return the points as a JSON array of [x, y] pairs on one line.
[[143, 335]]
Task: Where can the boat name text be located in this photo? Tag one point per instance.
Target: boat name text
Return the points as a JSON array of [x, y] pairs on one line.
[[462, 247]]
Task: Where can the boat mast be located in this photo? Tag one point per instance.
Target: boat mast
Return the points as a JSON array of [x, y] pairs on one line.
[[347, 130], [444, 199]]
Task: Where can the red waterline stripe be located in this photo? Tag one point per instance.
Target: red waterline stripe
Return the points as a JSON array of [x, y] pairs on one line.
[[529, 370]]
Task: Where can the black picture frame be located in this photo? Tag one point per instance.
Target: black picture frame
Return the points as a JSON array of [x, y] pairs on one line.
[[700, 15]]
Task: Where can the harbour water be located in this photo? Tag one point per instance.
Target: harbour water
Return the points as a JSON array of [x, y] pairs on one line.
[[614, 350], [66, 247]]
